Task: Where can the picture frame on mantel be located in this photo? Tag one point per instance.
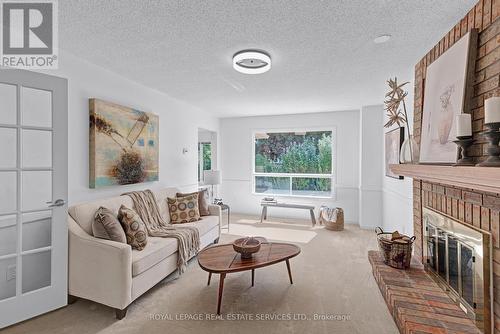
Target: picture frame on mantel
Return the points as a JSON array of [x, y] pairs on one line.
[[393, 141], [447, 93]]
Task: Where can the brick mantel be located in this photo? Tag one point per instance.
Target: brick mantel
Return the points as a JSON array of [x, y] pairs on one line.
[[478, 178]]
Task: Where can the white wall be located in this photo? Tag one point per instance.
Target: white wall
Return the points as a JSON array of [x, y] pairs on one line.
[[398, 194], [236, 161], [371, 166], [179, 123]]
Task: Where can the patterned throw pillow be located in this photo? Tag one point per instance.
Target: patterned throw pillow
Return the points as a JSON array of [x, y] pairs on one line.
[[135, 230], [202, 201], [106, 226], [183, 209]]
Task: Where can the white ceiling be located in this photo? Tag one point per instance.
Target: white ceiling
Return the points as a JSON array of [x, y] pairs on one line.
[[323, 54]]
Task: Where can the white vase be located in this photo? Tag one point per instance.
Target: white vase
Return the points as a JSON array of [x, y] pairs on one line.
[[410, 152], [445, 121]]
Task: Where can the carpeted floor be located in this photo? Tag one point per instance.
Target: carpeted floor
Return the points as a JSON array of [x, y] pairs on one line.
[[333, 292]]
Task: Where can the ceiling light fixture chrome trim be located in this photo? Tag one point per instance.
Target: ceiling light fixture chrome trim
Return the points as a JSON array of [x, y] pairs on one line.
[[382, 39], [251, 62]]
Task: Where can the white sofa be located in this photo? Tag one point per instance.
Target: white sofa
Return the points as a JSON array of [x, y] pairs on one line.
[[112, 273]]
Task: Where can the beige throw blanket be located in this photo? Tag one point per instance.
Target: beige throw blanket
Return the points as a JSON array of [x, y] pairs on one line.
[[189, 238]]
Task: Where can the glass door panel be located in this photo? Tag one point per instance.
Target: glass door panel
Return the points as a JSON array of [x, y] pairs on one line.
[[8, 147], [8, 195], [453, 262], [36, 107], [8, 111], [36, 270], [36, 148], [36, 189], [37, 230], [8, 235], [467, 270], [431, 247], [8, 281], [442, 254]]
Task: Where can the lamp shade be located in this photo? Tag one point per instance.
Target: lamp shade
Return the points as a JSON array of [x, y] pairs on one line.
[[211, 177]]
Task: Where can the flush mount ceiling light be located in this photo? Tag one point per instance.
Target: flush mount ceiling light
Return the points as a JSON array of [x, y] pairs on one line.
[[382, 39], [251, 62]]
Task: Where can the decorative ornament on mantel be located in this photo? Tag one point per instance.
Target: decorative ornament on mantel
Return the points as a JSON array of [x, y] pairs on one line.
[[492, 122], [394, 99], [464, 139]]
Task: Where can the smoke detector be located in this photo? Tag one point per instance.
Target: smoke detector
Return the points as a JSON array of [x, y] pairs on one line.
[[251, 62], [382, 39]]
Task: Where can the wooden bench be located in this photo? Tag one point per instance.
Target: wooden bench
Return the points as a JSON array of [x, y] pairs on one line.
[[287, 205]]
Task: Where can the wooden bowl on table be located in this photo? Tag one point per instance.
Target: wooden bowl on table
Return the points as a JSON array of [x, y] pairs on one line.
[[246, 246]]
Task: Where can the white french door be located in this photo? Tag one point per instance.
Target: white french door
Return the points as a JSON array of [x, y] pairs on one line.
[[33, 193]]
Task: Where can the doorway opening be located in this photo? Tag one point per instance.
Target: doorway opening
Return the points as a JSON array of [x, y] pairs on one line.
[[207, 152]]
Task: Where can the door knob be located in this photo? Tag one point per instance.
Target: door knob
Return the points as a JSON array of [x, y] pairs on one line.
[[59, 202]]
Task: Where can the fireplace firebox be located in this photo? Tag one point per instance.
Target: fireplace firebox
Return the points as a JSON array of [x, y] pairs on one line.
[[458, 258]]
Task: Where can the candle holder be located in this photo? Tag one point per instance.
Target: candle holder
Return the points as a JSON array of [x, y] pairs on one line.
[[463, 143], [493, 137]]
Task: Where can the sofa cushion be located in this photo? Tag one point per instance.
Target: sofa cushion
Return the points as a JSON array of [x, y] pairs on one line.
[[134, 227], [159, 249], [155, 251], [183, 209], [202, 201], [107, 226], [204, 225]]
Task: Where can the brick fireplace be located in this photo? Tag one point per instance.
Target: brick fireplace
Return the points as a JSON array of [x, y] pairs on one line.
[[478, 209], [468, 204], [468, 195]]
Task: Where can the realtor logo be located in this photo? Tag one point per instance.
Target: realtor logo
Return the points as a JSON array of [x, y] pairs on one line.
[[29, 34]]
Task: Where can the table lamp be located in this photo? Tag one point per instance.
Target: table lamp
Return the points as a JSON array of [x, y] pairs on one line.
[[212, 177]]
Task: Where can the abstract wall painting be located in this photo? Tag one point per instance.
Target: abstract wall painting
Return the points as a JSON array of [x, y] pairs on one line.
[[123, 145], [445, 98], [393, 141]]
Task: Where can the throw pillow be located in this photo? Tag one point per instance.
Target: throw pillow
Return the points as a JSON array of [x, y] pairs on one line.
[[202, 201], [106, 226], [135, 230], [183, 209]]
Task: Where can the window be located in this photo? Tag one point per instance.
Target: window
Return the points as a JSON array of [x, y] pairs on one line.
[[295, 163], [204, 159]]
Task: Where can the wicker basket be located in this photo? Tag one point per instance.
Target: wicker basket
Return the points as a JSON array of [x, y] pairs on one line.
[[333, 219], [397, 252]]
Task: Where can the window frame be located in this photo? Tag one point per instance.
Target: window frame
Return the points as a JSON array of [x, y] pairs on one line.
[[331, 176]]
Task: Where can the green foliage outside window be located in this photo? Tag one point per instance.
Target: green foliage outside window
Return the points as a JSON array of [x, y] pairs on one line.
[[305, 153], [207, 157]]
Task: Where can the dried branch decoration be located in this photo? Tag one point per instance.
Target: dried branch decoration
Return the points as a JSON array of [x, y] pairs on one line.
[[394, 98]]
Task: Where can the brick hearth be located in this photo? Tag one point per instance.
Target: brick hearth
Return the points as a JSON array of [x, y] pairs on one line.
[[416, 302]]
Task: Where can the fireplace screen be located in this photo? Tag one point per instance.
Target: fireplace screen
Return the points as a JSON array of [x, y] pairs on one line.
[[453, 260], [458, 258]]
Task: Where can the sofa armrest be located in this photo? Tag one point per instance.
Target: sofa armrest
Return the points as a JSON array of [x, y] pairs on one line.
[[214, 210], [99, 270]]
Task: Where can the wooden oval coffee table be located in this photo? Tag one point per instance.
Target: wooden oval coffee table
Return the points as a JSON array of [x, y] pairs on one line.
[[222, 259]]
